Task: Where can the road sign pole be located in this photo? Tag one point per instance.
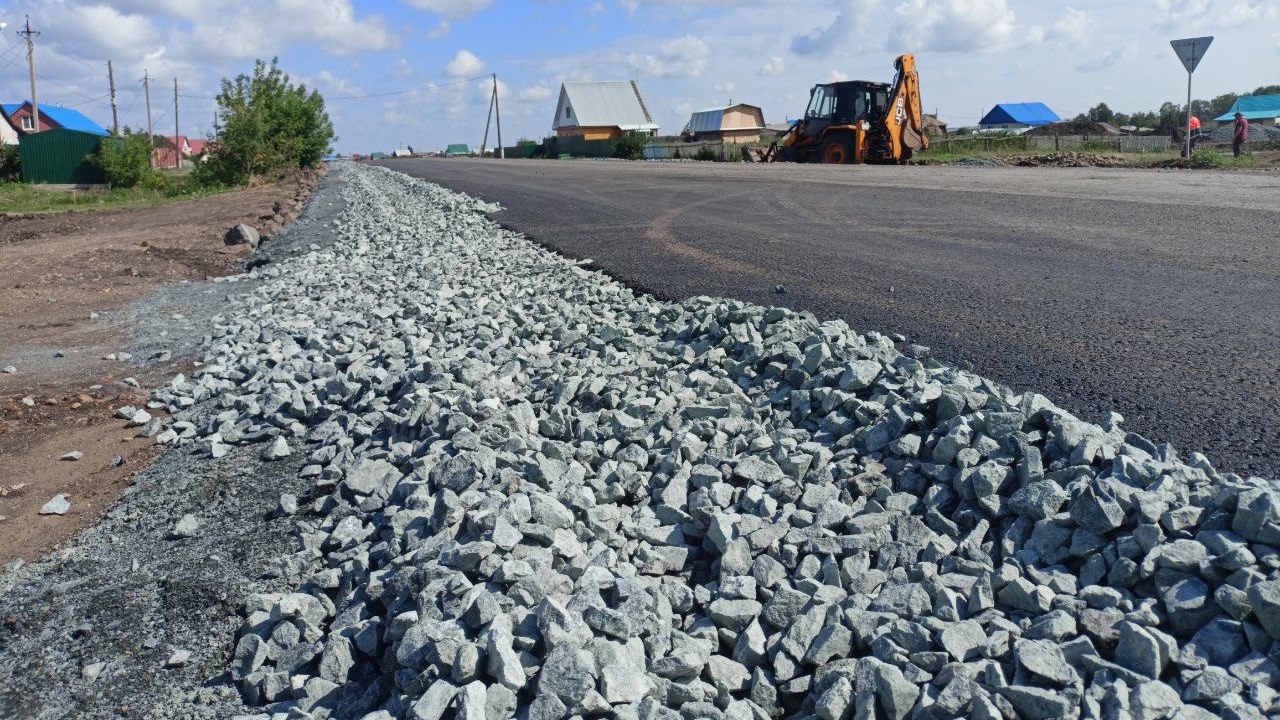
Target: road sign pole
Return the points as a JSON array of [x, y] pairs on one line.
[[1190, 51], [1189, 115]]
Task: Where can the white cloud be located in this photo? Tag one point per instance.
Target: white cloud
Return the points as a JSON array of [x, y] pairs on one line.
[[536, 93], [454, 9], [482, 91], [99, 28], [1072, 29], [1109, 59], [836, 76], [952, 25], [820, 41], [596, 8], [402, 68], [330, 84], [464, 64], [725, 87], [1196, 14], [685, 56], [773, 67], [440, 30], [244, 29]]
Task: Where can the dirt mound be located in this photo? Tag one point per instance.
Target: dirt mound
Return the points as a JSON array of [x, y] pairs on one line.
[[1067, 159]]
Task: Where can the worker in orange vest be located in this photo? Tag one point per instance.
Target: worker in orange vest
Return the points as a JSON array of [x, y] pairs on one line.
[[1195, 124]]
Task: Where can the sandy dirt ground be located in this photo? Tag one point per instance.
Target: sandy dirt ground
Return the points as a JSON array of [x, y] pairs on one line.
[[65, 282]]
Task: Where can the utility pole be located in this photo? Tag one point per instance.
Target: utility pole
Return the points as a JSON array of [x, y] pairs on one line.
[[497, 115], [177, 137], [493, 96], [115, 114], [31, 70], [151, 138]]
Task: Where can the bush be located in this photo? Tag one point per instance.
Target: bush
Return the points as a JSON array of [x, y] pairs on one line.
[[126, 161], [705, 154], [10, 163], [266, 124], [630, 146], [1206, 158]]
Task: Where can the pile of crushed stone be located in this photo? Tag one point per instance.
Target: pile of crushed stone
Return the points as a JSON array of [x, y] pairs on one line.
[[537, 494], [1067, 159]]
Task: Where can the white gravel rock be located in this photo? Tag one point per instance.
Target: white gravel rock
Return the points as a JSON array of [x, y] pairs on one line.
[[541, 492], [57, 505]]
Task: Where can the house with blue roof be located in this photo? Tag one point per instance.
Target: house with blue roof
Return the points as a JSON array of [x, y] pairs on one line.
[[1264, 109], [1018, 116], [52, 117]]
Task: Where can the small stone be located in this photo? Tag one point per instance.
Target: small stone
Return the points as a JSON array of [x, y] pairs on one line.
[[434, 702], [186, 527], [963, 639], [58, 505], [277, 450], [178, 658], [243, 235], [9, 370]]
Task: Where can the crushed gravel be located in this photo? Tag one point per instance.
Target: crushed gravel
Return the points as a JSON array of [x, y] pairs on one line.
[[522, 489]]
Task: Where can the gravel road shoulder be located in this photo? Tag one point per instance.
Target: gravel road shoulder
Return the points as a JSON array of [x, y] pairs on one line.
[[89, 632]]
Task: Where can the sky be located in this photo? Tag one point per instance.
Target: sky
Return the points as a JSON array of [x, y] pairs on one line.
[[399, 73]]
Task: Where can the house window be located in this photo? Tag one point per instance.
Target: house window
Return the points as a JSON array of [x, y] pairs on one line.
[[28, 123], [567, 112]]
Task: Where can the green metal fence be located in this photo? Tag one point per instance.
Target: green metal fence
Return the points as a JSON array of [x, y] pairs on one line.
[[60, 157]]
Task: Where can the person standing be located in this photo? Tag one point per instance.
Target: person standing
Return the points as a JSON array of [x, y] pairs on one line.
[[1240, 136]]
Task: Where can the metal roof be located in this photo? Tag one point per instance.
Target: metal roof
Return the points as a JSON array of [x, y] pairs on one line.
[[1254, 107], [65, 117], [712, 119], [1032, 114], [604, 104]]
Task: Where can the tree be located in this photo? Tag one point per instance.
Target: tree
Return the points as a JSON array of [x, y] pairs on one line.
[[126, 161], [1101, 113], [630, 146], [10, 163], [266, 124]]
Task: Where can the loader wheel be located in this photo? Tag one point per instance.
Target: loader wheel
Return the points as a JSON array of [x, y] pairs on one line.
[[837, 151]]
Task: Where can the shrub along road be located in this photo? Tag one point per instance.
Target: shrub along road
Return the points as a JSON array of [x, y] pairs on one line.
[[1155, 294]]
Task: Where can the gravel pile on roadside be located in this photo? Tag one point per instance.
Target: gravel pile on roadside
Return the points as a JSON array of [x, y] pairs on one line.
[[1068, 159], [1257, 133], [537, 493]]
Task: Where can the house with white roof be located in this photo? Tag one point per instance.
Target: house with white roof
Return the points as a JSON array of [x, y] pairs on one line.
[[602, 110]]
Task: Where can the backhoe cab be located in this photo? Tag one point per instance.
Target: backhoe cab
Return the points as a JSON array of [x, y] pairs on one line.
[[856, 122]]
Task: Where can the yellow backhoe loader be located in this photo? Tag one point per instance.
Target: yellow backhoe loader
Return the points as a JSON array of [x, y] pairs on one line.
[[855, 122]]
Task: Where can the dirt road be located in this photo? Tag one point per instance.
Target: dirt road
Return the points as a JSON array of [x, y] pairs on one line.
[[1155, 294], [65, 284]]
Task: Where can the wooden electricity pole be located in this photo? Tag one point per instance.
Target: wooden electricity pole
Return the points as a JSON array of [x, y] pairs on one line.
[[31, 70], [488, 118], [151, 138], [497, 116], [177, 137], [115, 114]]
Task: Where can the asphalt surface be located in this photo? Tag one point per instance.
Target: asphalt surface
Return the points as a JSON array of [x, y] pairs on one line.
[[1154, 294]]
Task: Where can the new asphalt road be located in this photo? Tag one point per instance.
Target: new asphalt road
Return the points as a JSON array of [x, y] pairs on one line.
[[1154, 294]]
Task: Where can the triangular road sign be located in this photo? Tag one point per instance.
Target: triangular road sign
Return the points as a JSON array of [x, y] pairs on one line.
[[1191, 51]]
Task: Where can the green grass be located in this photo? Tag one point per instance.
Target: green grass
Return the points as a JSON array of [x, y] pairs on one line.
[[24, 198]]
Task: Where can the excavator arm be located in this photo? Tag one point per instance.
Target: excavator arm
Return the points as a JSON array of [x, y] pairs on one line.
[[904, 120]]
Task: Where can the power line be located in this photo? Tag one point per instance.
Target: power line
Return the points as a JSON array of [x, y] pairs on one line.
[[91, 100]]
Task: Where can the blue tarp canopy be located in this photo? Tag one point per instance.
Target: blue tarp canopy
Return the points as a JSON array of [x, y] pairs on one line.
[[1033, 114], [1254, 107]]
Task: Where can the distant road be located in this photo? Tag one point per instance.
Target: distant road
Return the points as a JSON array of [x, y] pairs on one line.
[[1156, 294]]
